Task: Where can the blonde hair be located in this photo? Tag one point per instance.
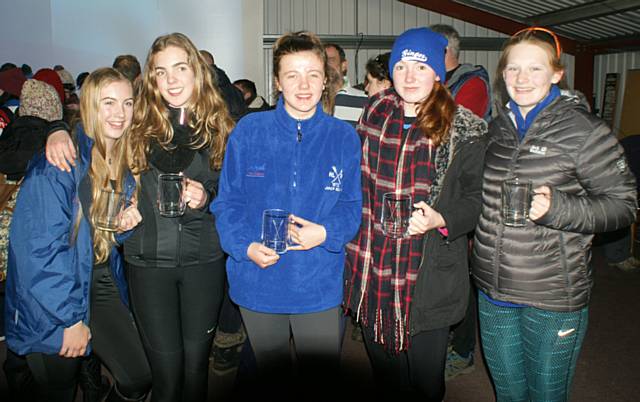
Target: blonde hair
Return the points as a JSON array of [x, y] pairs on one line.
[[99, 170], [208, 115]]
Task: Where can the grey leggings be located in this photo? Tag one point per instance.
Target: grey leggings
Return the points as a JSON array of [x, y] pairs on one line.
[[315, 338]]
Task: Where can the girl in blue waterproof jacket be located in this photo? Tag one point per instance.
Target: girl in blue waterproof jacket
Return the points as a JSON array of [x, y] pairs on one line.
[[301, 160], [66, 293]]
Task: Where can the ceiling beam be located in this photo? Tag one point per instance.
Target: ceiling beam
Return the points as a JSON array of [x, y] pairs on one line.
[[618, 44], [482, 18], [583, 12]]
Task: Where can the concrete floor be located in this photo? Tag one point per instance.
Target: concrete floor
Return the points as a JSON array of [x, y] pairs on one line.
[[608, 367]]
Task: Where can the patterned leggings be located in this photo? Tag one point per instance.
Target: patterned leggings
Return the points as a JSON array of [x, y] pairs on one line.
[[531, 353]]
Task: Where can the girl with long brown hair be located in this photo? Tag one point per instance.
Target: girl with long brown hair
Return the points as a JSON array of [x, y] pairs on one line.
[[63, 264], [176, 265], [406, 289]]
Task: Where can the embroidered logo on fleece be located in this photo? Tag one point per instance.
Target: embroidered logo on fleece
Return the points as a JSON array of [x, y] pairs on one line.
[[256, 170], [412, 55], [621, 164], [336, 180], [536, 149]]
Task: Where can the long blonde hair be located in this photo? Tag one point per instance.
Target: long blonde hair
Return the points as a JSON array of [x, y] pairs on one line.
[[99, 171], [208, 115]]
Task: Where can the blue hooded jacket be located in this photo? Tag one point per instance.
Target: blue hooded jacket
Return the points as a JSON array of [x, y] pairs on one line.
[[310, 168], [49, 272]]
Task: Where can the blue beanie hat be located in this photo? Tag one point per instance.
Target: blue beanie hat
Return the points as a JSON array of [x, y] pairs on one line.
[[423, 45]]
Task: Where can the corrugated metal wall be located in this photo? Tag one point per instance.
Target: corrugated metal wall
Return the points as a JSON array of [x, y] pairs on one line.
[[613, 63], [368, 17]]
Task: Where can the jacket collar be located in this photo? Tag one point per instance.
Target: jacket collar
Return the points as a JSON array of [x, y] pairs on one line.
[[290, 124], [85, 144]]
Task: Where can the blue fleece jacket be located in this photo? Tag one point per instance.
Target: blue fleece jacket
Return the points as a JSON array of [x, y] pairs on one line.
[[311, 168]]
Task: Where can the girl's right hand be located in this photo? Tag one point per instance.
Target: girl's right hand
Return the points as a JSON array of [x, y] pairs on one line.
[[75, 340], [129, 218], [60, 150], [262, 255]]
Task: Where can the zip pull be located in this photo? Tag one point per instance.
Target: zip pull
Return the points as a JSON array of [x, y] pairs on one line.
[[299, 131]]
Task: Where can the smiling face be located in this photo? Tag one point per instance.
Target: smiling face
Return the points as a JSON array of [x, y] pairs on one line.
[[174, 76], [413, 81], [528, 75], [301, 81], [115, 110]]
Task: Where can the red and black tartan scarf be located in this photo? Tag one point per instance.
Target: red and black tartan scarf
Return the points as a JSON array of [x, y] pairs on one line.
[[381, 272]]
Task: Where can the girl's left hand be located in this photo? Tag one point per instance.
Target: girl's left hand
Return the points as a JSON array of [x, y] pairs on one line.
[[305, 234], [424, 218], [194, 194], [540, 203], [129, 218]]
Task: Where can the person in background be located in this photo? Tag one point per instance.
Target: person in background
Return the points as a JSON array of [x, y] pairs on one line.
[[293, 297], [469, 84], [617, 246], [254, 102], [378, 78], [55, 278], [11, 81], [407, 291], [128, 65], [534, 281], [348, 101], [175, 265], [232, 96], [80, 79], [71, 100]]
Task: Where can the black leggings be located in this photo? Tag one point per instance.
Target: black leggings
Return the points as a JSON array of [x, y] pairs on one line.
[[55, 376], [115, 339], [177, 312], [418, 370]]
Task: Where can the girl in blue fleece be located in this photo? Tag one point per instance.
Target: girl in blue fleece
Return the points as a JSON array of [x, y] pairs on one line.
[[299, 159]]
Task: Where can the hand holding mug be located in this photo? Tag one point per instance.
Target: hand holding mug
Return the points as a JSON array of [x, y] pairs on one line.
[[262, 255], [540, 203], [305, 234], [194, 194], [129, 218], [424, 218]]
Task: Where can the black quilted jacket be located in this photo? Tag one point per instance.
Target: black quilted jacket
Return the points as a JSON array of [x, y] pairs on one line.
[[546, 263]]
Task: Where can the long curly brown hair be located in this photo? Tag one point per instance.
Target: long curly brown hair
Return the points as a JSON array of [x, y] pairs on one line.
[[435, 114], [208, 114]]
